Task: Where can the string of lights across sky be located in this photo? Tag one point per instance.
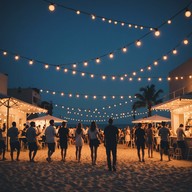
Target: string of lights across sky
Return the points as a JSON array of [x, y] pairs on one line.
[[52, 7], [129, 76]]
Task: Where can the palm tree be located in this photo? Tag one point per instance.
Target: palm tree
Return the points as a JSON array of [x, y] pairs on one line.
[[148, 98]]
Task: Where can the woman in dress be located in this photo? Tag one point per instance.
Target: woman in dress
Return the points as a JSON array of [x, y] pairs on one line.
[[93, 135], [127, 136], [79, 141]]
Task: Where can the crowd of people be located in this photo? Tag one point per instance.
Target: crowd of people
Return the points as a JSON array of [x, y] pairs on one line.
[[141, 136]]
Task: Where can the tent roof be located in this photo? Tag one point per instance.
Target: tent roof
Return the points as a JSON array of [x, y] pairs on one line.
[[175, 103], [154, 118], [48, 118], [25, 107]]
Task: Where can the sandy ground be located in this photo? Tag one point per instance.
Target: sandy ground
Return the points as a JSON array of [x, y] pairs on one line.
[[131, 175]]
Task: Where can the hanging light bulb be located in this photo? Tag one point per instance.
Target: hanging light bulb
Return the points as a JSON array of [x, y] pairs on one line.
[[165, 57], [51, 7], [111, 55], [155, 63], [113, 77], [185, 41], [93, 17], [85, 63], [31, 62], [58, 68], [4, 53], [78, 12], [138, 43], [46, 66], [65, 70], [187, 13], [92, 75], [169, 21], [16, 57], [174, 51], [124, 49], [157, 33], [98, 60]]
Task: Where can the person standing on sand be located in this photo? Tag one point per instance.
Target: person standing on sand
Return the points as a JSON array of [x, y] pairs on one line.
[[50, 134], [32, 141], [110, 142], [78, 141], [2, 143], [93, 135], [14, 140], [63, 134], [140, 141], [164, 134], [150, 140]]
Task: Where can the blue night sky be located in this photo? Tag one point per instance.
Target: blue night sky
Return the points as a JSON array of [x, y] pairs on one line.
[[30, 30]]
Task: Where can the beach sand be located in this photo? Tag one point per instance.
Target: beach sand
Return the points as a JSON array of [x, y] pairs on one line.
[[131, 175]]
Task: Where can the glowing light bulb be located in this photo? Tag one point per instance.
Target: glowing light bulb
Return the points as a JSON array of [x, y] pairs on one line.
[[65, 70], [86, 96], [109, 21], [141, 27], [169, 21], [185, 41], [113, 77], [58, 68], [134, 73], [62, 94], [130, 79], [46, 66], [93, 17], [78, 12], [92, 76], [103, 19], [74, 72], [155, 63], [74, 65], [51, 7], [31, 62], [149, 79], [174, 52], [124, 49], [122, 24], [104, 97], [82, 74], [149, 68], [4, 53], [121, 78], [85, 63], [157, 33], [138, 43], [111, 55], [130, 25], [16, 57], [169, 78], [141, 70], [104, 77], [187, 13], [94, 97], [164, 57], [98, 60], [115, 22]]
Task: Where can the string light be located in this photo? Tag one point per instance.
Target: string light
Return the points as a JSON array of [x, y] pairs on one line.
[[138, 43], [187, 13], [185, 41], [51, 7], [46, 66], [16, 57], [4, 53], [157, 33]]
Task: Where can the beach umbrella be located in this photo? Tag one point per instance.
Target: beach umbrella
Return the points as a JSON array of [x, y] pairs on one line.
[[47, 118]]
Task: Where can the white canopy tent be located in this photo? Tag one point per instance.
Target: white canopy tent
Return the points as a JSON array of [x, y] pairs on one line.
[[153, 119], [44, 120]]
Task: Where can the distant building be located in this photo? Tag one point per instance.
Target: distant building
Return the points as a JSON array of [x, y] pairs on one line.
[[181, 87], [3, 83], [29, 95]]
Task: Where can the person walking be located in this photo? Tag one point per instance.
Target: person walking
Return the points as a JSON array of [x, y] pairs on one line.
[[78, 141], [31, 135], [150, 140], [180, 140], [93, 135], [2, 143], [50, 134], [14, 140], [140, 141], [63, 135], [164, 134], [110, 142]]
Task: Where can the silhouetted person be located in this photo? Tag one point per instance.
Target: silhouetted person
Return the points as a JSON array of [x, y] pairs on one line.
[[50, 134], [180, 140], [164, 133], [14, 140], [31, 135], [79, 141], [150, 140], [2, 143], [63, 134], [140, 141], [93, 135], [110, 142]]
